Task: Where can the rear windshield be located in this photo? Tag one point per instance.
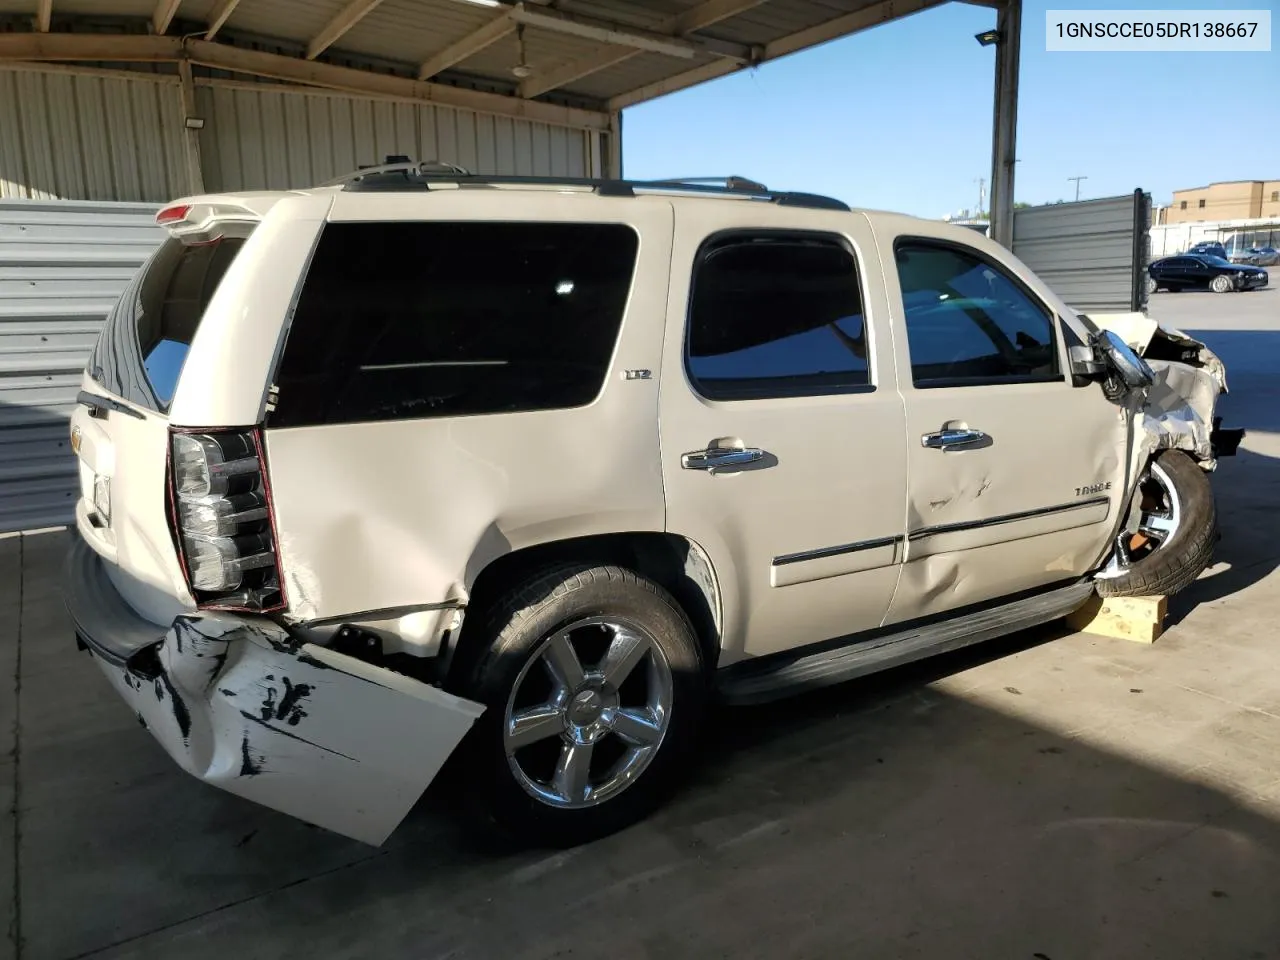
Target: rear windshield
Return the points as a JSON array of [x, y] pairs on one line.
[[144, 343], [411, 320]]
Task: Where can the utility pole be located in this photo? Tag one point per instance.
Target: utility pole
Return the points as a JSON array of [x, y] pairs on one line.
[[1077, 180]]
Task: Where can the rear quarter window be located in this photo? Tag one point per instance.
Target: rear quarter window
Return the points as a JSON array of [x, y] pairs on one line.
[[410, 320], [143, 345]]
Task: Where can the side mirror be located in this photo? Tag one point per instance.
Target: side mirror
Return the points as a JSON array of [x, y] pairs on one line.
[[1131, 368]]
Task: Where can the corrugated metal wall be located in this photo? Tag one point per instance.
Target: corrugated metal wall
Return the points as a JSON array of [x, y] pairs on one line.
[[90, 136], [1086, 251], [260, 136], [62, 265]]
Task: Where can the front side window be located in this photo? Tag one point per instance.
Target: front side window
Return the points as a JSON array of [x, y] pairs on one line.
[[410, 320], [776, 315], [967, 322]]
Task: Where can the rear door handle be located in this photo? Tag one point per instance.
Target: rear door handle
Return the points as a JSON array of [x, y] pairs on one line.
[[952, 439], [713, 457]]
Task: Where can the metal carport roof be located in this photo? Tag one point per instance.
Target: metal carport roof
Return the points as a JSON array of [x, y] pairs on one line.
[[575, 62]]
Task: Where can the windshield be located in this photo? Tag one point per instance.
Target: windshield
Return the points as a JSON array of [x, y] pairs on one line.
[[143, 345], [1214, 261]]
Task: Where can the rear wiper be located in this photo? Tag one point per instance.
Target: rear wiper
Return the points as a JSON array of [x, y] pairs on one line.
[[96, 402]]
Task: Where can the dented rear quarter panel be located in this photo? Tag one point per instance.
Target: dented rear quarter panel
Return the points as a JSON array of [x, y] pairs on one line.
[[401, 513]]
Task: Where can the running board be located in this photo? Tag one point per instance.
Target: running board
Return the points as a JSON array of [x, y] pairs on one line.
[[753, 681]]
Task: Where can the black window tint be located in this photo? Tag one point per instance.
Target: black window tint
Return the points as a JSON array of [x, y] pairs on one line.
[[968, 323], [774, 316], [143, 345], [436, 319]]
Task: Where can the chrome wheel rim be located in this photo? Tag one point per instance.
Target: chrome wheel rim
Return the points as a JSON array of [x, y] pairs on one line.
[[1159, 516], [588, 712]]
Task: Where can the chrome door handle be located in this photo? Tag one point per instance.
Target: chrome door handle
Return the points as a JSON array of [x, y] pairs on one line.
[[945, 439], [714, 457]]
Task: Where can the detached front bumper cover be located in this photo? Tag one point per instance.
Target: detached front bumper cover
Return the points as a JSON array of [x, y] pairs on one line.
[[241, 704]]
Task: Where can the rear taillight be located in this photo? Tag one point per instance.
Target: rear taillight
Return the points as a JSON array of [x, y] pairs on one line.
[[221, 512]]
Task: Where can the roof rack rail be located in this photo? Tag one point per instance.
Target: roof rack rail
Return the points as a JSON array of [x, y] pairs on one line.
[[398, 175], [399, 163], [726, 183]]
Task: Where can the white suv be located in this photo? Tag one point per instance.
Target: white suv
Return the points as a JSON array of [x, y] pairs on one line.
[[420, 459]]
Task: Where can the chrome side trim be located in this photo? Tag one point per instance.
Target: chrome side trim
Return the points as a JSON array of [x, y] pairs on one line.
[[835, 551], [1005, 518], [385, 613]]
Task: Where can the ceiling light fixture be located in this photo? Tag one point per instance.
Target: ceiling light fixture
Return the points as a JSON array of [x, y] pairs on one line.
[[521, 70]]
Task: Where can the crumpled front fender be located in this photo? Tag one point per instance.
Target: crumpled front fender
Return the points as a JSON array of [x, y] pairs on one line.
[[1177, 411]]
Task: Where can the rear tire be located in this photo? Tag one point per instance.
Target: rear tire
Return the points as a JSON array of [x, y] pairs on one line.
[[564, 754], [1163, 568], [1152, 286], [1221, 284]]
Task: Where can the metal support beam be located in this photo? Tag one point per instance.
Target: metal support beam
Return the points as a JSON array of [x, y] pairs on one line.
[[343, 20], [88, 46], [44, 12], [218, 16], [613, 166], [878, 13], [468, 46], [122, 48], [604, 31], [1005, 121], [195, 172], [703, 15], [163, 16]]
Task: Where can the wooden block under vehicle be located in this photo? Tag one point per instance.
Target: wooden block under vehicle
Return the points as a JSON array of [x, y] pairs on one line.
[[1140, 619]]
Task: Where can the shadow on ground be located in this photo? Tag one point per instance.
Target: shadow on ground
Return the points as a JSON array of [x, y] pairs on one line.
[[883, 818]]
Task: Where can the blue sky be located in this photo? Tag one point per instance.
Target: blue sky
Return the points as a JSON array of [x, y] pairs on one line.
[[899, 117]]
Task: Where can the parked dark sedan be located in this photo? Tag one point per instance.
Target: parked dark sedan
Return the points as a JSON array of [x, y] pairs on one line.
[[1187, 272]]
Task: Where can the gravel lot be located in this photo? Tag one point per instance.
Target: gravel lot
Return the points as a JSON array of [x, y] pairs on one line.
[[1049, 796]]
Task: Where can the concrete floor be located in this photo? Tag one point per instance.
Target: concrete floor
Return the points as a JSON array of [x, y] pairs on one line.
[[1048, 796]]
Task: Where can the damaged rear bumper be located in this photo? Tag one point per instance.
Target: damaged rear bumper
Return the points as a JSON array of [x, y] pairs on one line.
[[239, 703]]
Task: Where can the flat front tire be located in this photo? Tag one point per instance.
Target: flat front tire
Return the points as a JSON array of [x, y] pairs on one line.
[[1177, 528], [595, 687]]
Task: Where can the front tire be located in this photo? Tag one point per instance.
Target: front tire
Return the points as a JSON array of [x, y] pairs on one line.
[[1221, 284], [1176, 532], [595, 687]]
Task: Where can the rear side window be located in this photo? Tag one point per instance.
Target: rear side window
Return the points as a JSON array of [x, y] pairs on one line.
[[776, 315], [143, 345], [409, 320], [968, 322]]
